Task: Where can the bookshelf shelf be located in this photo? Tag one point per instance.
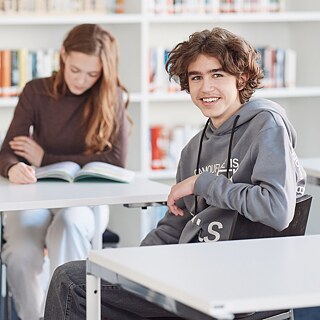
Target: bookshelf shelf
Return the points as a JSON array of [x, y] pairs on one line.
[[259, 17], [8, 102], [295, 92], [67, 19], [11, 102], [135, 97]]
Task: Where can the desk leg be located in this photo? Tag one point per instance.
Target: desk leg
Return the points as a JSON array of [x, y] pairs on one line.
[[93, 296], [98, 211]]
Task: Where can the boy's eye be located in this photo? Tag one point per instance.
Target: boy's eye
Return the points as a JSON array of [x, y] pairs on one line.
[[195, 78]]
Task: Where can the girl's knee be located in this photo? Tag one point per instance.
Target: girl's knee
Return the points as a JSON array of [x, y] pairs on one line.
[[74, 216]]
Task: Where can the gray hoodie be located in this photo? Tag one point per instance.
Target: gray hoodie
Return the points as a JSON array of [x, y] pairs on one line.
[[264, 179]]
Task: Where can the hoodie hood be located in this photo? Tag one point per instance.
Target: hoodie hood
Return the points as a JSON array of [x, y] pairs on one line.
[[247, 112]]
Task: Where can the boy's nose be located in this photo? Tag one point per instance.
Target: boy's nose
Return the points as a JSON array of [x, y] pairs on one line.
[[207, 85]]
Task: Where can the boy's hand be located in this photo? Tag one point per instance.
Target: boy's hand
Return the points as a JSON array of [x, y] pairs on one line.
[[181, 189]]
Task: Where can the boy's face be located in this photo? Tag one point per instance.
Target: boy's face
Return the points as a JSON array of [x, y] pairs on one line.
[[213, 90]]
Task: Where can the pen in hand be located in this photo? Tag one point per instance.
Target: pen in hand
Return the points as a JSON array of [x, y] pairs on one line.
[[31, 130]]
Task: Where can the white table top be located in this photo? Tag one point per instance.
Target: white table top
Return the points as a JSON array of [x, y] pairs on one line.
[[225, 277], [312, 166], [56, 194]]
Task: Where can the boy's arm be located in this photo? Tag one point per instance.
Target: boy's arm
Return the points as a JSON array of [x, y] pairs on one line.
[[169, 228], [271, 196]]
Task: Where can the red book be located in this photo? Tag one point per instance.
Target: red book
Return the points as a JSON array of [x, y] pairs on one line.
[[159, 147]]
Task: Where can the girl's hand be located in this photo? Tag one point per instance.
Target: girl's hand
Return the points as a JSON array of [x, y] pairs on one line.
[[181, 189], [21, 173], [27, 148]]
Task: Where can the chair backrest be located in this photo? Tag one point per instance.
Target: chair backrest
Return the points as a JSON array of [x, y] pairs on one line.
[[246, 229]]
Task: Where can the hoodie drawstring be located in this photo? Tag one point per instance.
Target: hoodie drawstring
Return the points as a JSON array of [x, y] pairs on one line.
[[230, 143], [199, 154]]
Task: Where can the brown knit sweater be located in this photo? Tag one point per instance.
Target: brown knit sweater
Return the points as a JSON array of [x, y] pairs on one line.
[[58, 128]]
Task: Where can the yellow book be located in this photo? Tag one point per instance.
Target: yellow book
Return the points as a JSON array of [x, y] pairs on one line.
[[23, 65]]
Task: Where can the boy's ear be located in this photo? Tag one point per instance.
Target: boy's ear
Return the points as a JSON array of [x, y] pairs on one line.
[[242, 81]]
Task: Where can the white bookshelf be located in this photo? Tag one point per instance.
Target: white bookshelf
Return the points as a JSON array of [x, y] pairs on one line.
[[7, 20], [258, 17], [137, 30]]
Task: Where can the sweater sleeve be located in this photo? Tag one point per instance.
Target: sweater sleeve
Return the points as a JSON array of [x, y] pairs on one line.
[[270, 197], [22, 119], [169, 228]]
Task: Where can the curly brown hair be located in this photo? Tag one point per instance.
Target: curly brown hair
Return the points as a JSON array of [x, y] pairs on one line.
[[236, 56]]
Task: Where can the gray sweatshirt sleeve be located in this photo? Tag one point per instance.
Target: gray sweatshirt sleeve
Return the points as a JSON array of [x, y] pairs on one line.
[[169, 228], [271, 195]]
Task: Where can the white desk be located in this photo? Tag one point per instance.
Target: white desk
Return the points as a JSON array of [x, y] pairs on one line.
[[59, 194], [216, 279], [312, 167]]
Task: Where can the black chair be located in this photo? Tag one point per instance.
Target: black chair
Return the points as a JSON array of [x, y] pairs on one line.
[[110, 239], [246, 229]]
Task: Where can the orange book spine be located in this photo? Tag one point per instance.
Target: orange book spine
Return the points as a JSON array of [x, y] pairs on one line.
[[6, 72], [119, 6]]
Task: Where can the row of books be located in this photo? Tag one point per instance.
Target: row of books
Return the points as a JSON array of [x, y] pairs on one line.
[[278, 64], [279, 67], [214, 6], [17, 67], [61, 6], [158, 77], [166, 144]]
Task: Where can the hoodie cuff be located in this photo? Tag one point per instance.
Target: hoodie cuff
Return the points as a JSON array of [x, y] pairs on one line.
[[203, 183]]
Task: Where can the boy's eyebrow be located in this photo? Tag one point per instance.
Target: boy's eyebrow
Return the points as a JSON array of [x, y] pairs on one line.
[[191, 73]]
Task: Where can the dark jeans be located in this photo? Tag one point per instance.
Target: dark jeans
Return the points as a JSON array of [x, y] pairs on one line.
[[66, 299]]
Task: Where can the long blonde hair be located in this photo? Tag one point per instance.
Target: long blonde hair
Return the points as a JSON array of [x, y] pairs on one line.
[[102, 106]]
